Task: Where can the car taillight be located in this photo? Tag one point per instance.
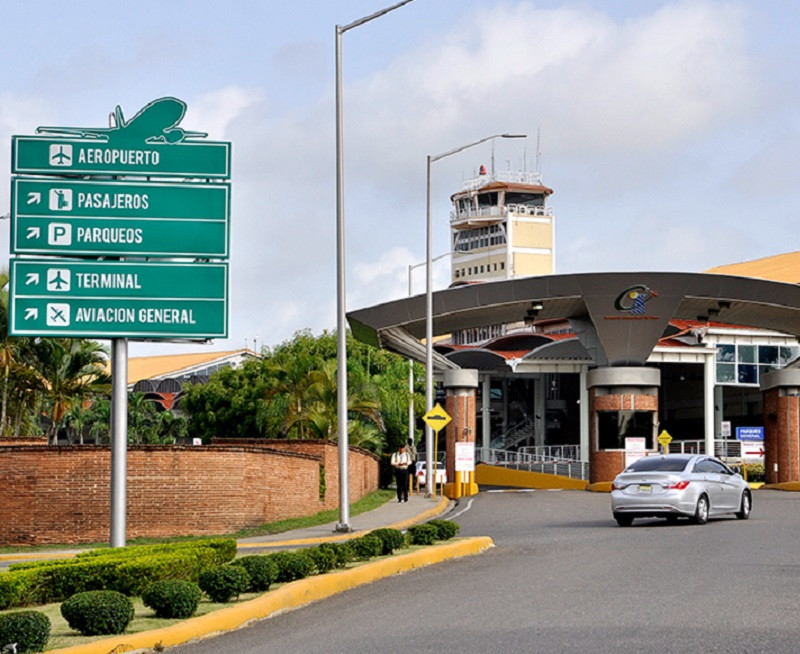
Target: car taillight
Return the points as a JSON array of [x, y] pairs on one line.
[[618, 485], [679, 485]]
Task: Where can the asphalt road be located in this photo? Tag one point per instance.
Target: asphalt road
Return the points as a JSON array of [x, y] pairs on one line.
[[564, 578]]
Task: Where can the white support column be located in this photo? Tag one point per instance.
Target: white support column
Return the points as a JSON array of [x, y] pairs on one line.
[[709, 383], [539, 409], [486, 429], [584, 412]]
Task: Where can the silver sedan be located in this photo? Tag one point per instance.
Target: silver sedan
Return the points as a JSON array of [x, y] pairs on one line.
[[679, 485]]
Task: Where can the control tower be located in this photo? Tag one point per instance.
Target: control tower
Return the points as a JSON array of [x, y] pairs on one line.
[[501, 228]]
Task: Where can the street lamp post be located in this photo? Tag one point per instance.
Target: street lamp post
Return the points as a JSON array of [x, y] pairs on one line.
[[341, 336], [429, 478], [411, 417]]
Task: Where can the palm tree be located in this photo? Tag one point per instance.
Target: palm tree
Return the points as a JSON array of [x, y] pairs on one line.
[[287, 398], [365, 424], [141, 417], [72, 371]]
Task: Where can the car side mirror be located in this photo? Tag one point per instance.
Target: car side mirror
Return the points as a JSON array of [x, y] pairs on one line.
[[737, 470]]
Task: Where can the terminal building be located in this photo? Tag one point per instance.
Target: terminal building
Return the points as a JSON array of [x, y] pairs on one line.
[[587, 366]]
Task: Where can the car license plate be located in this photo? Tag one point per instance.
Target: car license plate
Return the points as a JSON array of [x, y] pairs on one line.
[[645, 488]]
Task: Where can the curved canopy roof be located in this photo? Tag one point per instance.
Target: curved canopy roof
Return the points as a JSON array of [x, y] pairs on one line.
[[618, 317]]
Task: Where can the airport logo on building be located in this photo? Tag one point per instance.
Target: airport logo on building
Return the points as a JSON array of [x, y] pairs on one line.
[[633, 300]]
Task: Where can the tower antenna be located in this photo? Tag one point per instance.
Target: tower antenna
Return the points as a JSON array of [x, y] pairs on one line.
[[538, 152]]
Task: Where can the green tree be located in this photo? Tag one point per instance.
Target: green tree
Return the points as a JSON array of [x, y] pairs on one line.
[[72, 372]]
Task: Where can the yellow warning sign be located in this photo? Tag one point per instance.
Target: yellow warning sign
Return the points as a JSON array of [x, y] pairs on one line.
[[436, 418]]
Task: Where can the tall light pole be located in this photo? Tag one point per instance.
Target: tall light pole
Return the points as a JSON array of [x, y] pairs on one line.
[[341, 335], [411, 417], [429, 477]]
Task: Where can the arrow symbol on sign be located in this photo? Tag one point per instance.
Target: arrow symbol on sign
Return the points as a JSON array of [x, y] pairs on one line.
[[32, 312], [34, 232], [32, 278], [34, 197]]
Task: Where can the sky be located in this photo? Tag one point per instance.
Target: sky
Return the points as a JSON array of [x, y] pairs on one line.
[[668, 130]]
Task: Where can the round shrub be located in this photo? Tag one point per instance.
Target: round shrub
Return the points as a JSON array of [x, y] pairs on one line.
[[445, 529], [342, 553], [28, 629], [425, 534], [366, 547], [292, 565], [224, 582], [172, 599], [98, 612], [263, 571], [324, 558], [392, 539]]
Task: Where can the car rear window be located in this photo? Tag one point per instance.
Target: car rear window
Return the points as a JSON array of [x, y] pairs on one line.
[[657, 463]]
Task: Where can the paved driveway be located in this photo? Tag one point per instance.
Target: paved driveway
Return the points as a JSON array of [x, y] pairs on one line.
[[564, 578]]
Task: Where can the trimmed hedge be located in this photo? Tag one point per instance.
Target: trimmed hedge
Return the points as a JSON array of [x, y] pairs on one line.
[[366, 547], [391, 539], [28, 629], [172, 599], [98, 612], [445, 529], [262, 569], [324, 558], [424, 534], [224, 582], [292, 565], [127, 570]]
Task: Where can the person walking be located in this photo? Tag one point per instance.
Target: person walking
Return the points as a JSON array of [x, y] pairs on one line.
[[412, 467], [400, 462]]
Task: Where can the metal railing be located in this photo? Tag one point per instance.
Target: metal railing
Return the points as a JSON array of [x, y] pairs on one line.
[[534, 463], [498, 212], [550, 452], [729, 451], [502, 176]]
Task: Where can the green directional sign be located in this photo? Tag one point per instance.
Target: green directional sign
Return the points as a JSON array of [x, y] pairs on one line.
[[113, 299], [68, 217], [47, 155]]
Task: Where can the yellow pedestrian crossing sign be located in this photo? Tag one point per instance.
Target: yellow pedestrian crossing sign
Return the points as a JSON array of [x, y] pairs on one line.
[[436, 418]]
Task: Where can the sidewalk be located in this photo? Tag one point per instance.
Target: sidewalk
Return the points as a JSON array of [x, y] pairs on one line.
[[399, 515], [394, 514]]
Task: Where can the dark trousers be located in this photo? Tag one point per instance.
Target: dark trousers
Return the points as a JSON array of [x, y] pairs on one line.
[[401, 479]]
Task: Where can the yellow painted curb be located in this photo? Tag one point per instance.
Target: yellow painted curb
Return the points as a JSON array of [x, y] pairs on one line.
[[34, 557], [793, 486], [600, 487], [288, 596], [434, 511]]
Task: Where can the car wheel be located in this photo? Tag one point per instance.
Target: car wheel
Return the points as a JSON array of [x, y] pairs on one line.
[[745, 507], [623, 520], [701, 511]]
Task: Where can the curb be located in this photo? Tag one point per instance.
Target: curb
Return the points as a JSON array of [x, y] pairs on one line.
[[288, 596], [440, 508]]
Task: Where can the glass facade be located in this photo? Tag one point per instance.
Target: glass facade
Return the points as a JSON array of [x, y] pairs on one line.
[[744, 364]]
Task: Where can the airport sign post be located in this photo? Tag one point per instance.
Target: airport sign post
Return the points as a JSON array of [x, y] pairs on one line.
[[117, 299], [47, 155], [60, 216], [69, 217]]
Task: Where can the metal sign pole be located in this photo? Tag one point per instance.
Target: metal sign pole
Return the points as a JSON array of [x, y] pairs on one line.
[[119, 439]]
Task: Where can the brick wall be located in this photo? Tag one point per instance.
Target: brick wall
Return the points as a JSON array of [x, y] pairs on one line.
[[62, 495], [781, 426], [604, 465]]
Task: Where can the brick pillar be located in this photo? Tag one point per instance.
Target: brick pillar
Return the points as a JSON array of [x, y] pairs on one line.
[[781, 394], [460, 404], [618, 389]]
